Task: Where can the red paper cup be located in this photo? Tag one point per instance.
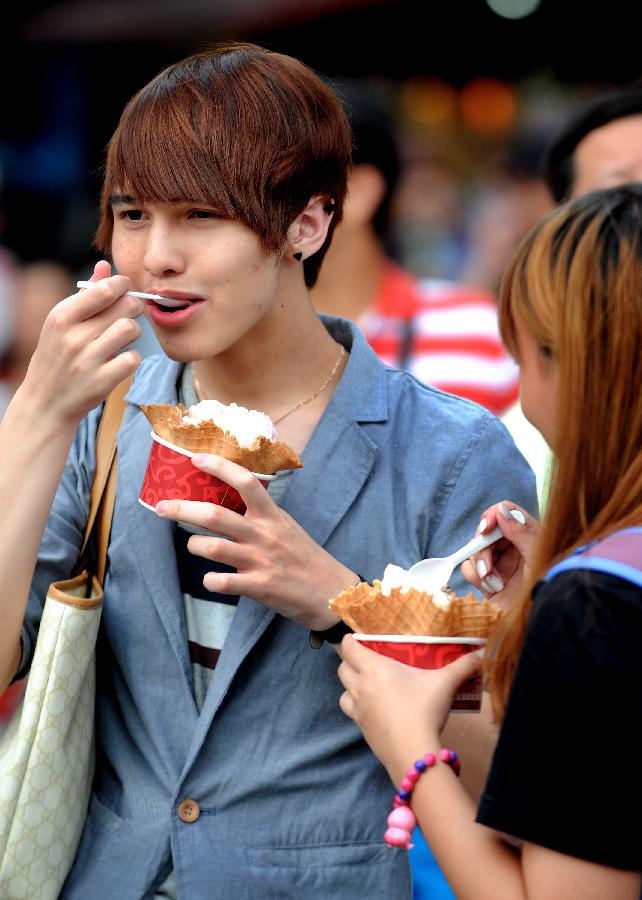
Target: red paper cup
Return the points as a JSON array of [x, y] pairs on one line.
[[432, 653], [170, 475]]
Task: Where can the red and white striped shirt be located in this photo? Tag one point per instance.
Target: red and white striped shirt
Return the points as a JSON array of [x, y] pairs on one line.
[[445, 334]]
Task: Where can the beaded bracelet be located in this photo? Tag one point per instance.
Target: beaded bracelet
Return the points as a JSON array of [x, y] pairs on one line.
[[401, 820]]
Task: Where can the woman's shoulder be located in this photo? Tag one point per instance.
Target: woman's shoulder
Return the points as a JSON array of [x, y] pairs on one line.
[[582, 610]]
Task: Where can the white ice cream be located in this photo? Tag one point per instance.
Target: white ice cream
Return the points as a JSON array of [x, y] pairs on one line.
[[396, 577], [245, 424]]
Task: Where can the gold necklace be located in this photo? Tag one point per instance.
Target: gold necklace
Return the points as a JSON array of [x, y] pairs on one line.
[[199, 392]]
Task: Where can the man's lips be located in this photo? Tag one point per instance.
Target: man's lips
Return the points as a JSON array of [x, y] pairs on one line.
[[174, 299], [176, 315]]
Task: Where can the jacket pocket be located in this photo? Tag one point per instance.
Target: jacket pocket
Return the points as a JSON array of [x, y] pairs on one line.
[[103, 815], [365, 870]]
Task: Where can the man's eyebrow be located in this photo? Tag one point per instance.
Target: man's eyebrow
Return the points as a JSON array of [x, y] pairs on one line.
[[115, 199]]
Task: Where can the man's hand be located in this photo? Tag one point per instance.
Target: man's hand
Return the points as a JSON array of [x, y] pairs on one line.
[[277, 562]]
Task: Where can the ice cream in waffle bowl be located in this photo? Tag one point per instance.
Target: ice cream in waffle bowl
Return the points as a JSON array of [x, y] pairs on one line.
[[399, 620], [244, 436]]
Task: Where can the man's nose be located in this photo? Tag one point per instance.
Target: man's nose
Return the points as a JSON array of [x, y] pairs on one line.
[[163, 253]]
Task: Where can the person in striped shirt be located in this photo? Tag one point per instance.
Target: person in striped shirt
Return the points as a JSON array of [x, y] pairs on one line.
[[443, 332]]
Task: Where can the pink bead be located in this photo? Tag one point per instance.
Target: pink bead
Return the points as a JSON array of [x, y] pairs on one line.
[[407, 784], [402, 817], [397, 801], [398, 837], [444, 755], [413, 775], [430, 759]]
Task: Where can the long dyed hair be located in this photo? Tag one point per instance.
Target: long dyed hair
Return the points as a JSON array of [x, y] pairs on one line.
[[575, 285]]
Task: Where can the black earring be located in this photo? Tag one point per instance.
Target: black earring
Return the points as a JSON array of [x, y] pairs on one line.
[[298, 256]]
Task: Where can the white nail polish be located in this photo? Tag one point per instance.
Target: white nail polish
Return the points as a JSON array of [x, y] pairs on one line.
[[482, 526], [487, 588], [519, 516], [503, 510], [482, 568], [495, 583]]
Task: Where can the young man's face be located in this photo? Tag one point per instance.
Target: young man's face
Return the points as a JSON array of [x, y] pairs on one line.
[[216, 267], [609, 156]]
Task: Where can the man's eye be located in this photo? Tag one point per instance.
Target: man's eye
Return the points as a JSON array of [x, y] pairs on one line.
[[204, 214], [134, 215]]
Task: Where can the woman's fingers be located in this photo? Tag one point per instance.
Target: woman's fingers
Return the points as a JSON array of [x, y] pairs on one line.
[[518, 526], [497, 567]]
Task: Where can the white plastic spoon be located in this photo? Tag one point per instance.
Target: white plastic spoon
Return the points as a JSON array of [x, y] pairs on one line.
[[431, 575], [165, 301]]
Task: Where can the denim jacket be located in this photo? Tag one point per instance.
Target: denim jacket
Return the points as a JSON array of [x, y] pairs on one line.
[[291, 802]]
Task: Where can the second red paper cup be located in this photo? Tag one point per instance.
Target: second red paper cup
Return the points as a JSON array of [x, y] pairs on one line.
[[171, 475], [431, 653]]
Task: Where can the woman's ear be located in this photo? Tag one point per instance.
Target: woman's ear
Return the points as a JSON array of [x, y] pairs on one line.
[[310, 228]]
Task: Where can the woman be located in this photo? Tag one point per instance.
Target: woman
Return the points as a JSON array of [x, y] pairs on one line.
[[565, 670]]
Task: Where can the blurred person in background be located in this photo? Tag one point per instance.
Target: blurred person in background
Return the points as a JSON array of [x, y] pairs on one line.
[[444, 333], [599, 147], [513, 198], [38, 285]]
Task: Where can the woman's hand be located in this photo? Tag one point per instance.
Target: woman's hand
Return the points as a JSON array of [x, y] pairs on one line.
[[400, 709], [500, 569], [277, 562], [78, 359]]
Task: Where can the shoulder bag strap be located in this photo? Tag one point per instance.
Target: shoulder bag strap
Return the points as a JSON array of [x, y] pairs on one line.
[[103, 489]]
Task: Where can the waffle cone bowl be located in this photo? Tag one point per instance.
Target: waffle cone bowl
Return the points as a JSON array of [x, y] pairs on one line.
[[263, 457], [411, 627], [366, 610]]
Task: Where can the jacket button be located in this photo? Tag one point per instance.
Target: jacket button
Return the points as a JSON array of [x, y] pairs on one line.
[[189, 810]]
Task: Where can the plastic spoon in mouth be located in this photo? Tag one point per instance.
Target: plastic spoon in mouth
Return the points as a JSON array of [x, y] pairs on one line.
[[165, 301]]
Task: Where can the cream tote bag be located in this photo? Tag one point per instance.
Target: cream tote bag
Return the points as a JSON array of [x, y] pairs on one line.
[[47, 751]]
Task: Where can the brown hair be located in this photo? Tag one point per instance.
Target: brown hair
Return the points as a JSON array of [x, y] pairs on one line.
[[575, 284], [251, 133]]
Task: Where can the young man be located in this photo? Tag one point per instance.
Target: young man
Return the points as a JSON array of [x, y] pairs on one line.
[[224, 765]]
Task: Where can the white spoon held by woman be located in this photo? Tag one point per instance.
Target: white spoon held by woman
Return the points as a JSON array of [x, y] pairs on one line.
[[432, 575]]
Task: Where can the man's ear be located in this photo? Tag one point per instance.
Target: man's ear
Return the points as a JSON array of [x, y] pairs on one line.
[[310, 228]]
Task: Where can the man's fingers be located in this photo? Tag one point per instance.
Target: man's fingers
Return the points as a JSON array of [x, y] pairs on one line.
[[248, 485], [346, 705], [101, 295], [207, 515]]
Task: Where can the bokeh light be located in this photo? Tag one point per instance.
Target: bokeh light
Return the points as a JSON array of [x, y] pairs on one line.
[[488, 106], [429, 101], [513, 9]]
